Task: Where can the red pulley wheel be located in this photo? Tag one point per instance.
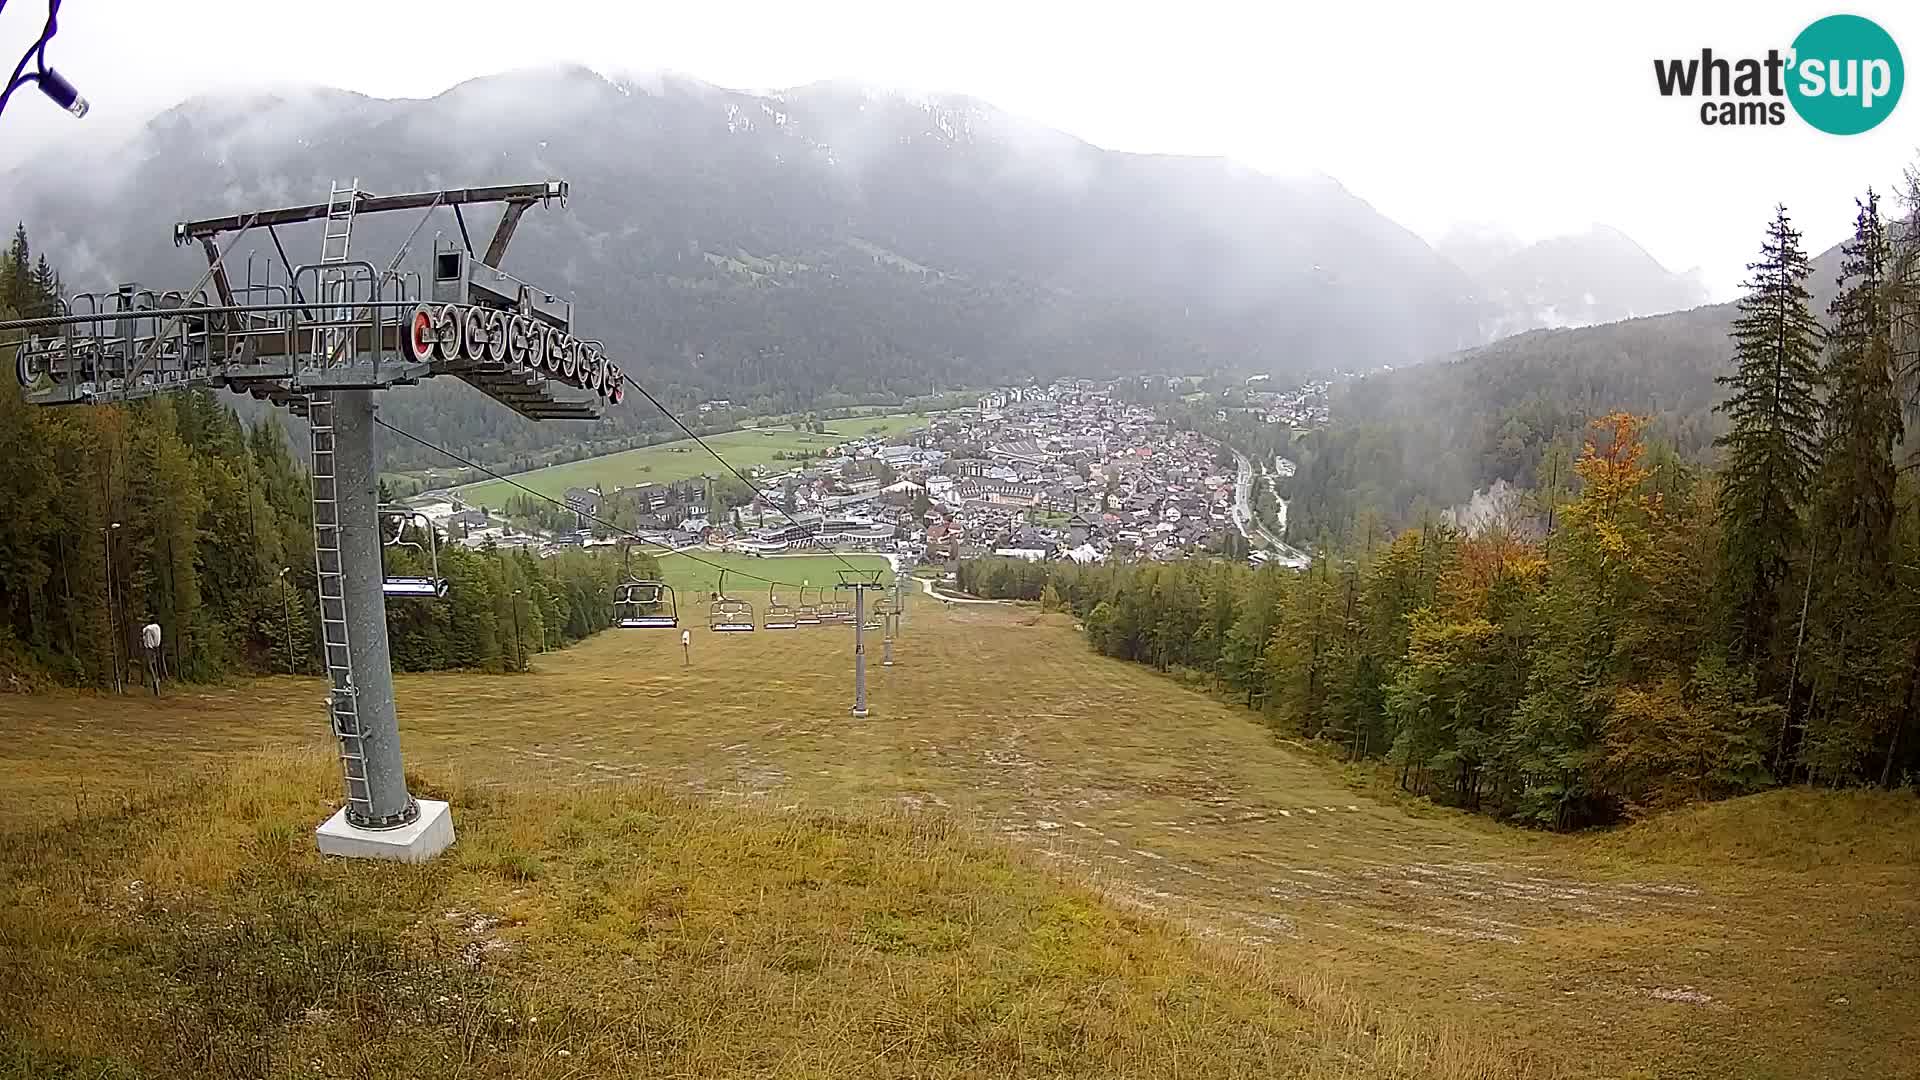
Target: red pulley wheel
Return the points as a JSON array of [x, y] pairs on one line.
[[421, 337]]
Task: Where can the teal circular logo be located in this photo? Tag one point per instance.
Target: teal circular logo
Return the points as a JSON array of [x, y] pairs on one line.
[[1846, 74]]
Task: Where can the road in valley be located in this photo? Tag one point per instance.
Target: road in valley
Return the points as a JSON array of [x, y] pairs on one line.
[[1250, 526]]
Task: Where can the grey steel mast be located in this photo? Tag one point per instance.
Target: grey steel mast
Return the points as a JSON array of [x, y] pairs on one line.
[[860, 581], [322, 343]]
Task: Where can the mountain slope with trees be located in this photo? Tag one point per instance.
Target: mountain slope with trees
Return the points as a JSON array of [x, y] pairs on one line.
[[1414, 441], [1674, 634]]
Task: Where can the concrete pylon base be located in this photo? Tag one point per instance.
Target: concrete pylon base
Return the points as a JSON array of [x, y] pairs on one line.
[[859, 714], [430, 834]]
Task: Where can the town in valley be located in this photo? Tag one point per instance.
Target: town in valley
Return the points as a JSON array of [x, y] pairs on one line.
[[1072, 470]]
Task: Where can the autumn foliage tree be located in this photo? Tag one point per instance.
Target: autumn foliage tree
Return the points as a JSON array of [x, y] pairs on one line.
[[1561, 686]]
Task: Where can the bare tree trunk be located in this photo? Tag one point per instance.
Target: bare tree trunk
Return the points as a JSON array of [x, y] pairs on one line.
[[66, 584], [1893, 745], [1793, 679], [1905, 716]]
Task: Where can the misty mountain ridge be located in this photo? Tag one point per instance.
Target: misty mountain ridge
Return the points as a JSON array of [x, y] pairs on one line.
[[1581, 279], [799, 248], [937, 236], [1442, 434]]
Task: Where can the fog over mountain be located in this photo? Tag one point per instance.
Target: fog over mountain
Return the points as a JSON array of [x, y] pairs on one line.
[[827, 235], [1438, 434], [774, 240], [1597, 276]]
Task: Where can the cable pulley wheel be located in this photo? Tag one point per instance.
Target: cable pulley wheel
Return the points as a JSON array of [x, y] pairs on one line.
[[594, 367], [496, 336], [25, 366], [422, 337], [473, 331], [519, 339], [446, 332]]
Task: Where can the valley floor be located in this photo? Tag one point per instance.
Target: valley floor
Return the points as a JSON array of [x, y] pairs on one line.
[[1774, 937]]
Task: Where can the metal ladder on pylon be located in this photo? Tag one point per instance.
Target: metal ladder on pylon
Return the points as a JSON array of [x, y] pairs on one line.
[[335, 241], [343, 709]]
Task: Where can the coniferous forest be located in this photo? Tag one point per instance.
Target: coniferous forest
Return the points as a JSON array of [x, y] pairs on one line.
[[1655, 632], [172, 510]]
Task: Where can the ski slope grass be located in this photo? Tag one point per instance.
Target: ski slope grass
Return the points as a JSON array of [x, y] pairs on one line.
[[1029, 860], [692, 580], [664, 463]]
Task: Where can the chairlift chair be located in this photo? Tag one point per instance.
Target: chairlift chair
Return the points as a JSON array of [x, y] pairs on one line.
[[394, 523], [838, 610], [778, 616], [805, 614], [728, 614], [644, 605]]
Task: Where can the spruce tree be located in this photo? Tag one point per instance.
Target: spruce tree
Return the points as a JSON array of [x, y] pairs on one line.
[[1772, 443], [45, 288], [1853, 511], [16, 276]]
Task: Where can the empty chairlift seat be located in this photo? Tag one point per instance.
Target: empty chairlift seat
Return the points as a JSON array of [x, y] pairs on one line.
[[879, 610], [644, 605], [840, 608], [807, 613], [778, 616], [729, 614], [422, 580]]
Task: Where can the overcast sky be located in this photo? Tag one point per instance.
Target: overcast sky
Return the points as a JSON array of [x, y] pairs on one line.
[[1540, 117]]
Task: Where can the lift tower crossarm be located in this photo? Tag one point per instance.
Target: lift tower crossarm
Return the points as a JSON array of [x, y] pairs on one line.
[[522, 195]]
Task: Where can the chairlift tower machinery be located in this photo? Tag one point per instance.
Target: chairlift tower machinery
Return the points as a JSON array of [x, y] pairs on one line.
[[322, 340], [860, 583]]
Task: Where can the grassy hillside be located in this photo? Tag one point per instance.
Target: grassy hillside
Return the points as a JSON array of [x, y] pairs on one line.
[[623, 931], [861, 896], [664, 463]]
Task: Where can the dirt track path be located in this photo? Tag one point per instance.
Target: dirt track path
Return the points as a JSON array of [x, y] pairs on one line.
[[926, 586]]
